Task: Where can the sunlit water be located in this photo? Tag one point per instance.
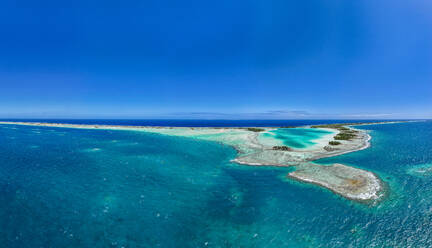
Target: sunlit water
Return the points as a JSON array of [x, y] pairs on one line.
[[297, 137], [98, 188]]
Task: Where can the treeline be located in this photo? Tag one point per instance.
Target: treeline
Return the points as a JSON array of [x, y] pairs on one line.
[[344, 134], [255, 129]]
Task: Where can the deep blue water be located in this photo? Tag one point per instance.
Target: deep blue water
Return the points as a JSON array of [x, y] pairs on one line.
[[99, 188]]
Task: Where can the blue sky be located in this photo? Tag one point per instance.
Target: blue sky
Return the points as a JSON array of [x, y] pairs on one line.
[[216, 59]]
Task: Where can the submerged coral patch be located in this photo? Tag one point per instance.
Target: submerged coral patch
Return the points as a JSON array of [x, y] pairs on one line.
[[420, 170]]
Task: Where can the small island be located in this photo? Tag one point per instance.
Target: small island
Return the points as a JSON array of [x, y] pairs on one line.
[[349, 182]]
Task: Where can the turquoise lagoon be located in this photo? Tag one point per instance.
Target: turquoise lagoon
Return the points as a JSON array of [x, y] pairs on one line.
[[64, 187], [299, 138]]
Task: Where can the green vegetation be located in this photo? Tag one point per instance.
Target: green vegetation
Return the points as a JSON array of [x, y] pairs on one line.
[[344, 136], [334, 143], [282, 148], [345, 132], [254, 129], [340, 127], [330, 148]]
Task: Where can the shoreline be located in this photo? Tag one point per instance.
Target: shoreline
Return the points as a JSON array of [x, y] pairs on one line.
[[366, 145], [377, 196], [350, 182]]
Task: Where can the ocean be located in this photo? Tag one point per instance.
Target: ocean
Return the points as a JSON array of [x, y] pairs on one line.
[[62, 187]]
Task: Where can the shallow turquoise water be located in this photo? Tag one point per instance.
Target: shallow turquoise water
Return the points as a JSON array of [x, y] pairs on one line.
[[298, 137], [98, 188]]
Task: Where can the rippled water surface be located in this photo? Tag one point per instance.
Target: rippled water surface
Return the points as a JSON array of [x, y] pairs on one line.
[[96, 188]]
